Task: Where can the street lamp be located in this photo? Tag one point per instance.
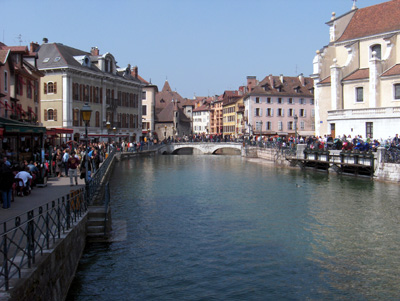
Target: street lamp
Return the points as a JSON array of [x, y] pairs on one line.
[[295, 127], [86, 112], [108, 126]]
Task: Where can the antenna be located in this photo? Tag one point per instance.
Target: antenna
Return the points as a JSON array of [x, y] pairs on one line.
[[19, 37]]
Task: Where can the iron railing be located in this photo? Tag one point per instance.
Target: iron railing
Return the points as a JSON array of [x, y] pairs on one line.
[[29, 234], [96, 182]]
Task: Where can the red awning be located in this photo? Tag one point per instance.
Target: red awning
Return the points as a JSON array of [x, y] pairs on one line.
[[62, 130]]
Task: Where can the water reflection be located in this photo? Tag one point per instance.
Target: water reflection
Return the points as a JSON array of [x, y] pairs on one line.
[[213, 227]]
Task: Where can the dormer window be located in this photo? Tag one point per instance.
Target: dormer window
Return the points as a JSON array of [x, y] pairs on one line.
[[377, 50]]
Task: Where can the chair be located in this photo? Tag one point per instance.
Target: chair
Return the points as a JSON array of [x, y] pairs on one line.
[[18, 188]]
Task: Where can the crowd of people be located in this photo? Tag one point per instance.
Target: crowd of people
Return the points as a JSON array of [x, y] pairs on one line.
[[65, 160]]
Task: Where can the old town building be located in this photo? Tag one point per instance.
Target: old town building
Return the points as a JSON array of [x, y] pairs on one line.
[[279, 105], [74, 77], [19, 101], [357, 75]]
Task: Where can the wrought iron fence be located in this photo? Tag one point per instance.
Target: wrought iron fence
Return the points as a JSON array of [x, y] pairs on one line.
[[26, 236]]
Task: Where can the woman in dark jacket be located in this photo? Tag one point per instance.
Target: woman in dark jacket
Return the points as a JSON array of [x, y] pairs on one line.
[[6, 183]]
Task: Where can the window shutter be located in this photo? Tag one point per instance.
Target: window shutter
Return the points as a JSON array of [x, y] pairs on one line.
[[80, 92], [305, 114], [55, 115], [260, 112], [283, 112], [255, 112], [45, 115], [101, 95], [55, 87], [272, 112], [45, 89]]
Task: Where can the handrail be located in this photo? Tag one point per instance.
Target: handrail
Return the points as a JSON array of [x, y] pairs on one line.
[[29, 234], [96, 181]]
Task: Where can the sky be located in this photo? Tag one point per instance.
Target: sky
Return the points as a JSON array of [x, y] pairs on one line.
[[202, 47]]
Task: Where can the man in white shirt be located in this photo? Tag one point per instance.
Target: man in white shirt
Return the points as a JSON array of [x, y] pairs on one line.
[[24, 175]]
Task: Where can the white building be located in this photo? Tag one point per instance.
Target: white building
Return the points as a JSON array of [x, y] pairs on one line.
[[357, 75]]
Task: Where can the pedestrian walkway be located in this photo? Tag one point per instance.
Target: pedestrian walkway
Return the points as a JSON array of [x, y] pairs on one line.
[[56, 188]]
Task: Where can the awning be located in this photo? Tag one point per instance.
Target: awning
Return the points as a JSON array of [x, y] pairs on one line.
[[62, 130], [282, 133], [12, 127]]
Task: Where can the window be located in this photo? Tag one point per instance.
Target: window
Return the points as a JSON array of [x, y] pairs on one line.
[[50, 115], [279, 100], [268, 125], [75, 117], [302, 101], [280, 112], [302, 124], [97, 119], [290, 125], [397, 91], [144, 110], [291, 112], [311, 101], [270, 112], [257, 99], [50, 88], [5, 81], [280, 125], [302, 113], [377, 49], [312, 112], [143, 94], [359, 94], [269, 100], [369, 129], [29, 89], [258, 112], [290, 101]]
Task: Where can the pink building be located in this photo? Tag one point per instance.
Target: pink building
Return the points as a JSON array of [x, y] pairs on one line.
[[279, 105]]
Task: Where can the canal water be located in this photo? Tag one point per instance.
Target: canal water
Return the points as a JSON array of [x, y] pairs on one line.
[[224, 228]]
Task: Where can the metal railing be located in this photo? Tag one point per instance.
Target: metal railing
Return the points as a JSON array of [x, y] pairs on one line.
[[29, 234], [96, 182], [392, 155]]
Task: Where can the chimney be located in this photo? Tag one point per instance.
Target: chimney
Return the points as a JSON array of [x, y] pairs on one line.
[[281, 78], [45, 40], [134, 72], [301, 78], [251, 82], [34, 47], [271, 81], [95, 51]]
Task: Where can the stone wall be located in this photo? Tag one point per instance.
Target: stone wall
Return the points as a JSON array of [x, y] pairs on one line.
[[52, 274]]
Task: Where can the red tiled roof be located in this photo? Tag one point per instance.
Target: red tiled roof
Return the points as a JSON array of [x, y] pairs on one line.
[[3, 55], [326, 80], [395, 70], [358, 74], [372, 20]]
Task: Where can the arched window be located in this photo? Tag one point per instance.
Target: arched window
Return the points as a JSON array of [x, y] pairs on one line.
[[377, 49], [50, 114]]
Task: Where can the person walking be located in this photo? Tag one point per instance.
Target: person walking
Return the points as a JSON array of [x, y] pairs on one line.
[[59, 157], [6, 183], [73, 163], [65, 160]]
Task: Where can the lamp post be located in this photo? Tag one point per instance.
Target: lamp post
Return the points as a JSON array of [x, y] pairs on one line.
[[165, 132], [86, 112], [261, 123], [108, 126], [295, 128]]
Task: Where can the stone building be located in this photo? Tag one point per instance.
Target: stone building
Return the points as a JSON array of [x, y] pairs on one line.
[[357, 75]]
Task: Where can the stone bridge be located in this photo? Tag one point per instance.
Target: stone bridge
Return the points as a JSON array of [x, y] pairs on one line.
[[205, 147]]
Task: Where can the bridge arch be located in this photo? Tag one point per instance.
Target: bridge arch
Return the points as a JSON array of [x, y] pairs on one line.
[[205, 148]]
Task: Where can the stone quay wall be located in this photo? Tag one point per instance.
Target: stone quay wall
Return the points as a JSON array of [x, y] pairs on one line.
[[52, 274]]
